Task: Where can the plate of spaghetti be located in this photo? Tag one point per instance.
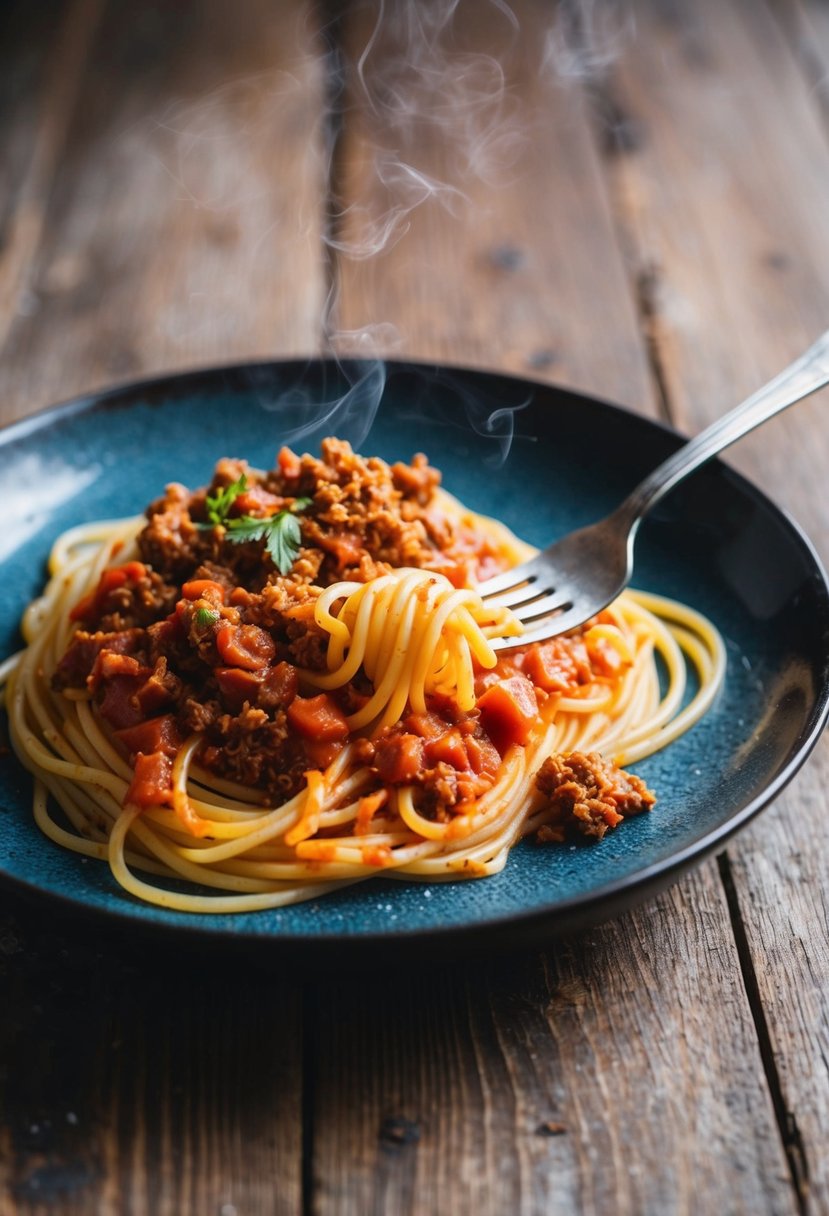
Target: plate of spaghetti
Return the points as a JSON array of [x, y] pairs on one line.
[[254, 694]]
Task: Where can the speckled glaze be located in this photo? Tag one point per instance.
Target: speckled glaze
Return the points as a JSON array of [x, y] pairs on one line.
[[509, 448]]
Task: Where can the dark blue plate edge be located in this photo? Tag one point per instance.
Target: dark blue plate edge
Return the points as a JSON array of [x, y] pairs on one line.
[[516, 928]]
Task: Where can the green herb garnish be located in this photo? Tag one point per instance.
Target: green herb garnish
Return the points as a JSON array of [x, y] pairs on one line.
[[204, 618], [281, 533], [219, 504]]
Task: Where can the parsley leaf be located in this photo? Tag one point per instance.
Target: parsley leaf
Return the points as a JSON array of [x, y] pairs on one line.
[[218, 505], [281, 533]]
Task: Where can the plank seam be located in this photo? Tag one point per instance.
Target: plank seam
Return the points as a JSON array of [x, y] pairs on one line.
[[309, 1098], [798, 32], [790, 1136], [330, 13], [67, 57], [615, 134]]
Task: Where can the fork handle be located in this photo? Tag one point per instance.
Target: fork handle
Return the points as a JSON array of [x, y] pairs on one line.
[[806, 375]]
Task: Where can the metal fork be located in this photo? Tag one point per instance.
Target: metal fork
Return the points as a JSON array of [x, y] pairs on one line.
[[569, 582]]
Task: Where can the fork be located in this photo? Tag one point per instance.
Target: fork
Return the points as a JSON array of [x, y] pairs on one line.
[[569, 582]]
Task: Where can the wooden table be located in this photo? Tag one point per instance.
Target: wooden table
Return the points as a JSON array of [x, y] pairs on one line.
[[642, 212]]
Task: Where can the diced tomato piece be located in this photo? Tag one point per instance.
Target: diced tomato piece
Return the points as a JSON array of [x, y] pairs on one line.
[[166, 633], [428, 726], [237, 686], [279, 686], [79, 660], [119, 704], [300, 612], [245, 646], [155, 694], [110, 580], [346, 547], [257, 501], [483, 756], [155, 735], [322, 752], [509, 711], [317, 718], [457, 573], [204, 589], [398, 758], [240, 597], [608, 651], [289, 465], [559, 665], [152, 783], [449, 749], [111, 663]]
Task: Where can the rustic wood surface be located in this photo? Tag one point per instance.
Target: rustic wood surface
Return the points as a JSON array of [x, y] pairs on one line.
[[639, 212]]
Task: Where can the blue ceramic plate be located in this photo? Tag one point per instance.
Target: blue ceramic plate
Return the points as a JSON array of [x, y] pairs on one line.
[[509, 448]]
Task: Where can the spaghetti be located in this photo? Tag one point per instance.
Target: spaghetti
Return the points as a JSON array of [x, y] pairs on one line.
[[265, 735]]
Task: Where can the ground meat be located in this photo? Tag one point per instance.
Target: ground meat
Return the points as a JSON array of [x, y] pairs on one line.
[[363, 517], [171, 542], [256, 750], [75, 668], [417, 480], [198, 715], [448, 761], [589, 794]]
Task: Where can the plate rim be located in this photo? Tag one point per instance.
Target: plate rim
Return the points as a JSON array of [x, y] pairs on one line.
[[549, 920]]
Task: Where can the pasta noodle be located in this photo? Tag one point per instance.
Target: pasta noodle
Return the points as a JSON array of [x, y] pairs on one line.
[[396, 645]]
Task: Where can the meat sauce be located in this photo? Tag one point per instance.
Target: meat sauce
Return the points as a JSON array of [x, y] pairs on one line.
[[202, 635]]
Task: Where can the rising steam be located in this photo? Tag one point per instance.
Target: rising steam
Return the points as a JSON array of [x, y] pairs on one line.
[[427, 92]]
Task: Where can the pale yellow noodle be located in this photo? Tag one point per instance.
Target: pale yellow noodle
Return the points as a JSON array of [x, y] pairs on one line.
[[414, 634]]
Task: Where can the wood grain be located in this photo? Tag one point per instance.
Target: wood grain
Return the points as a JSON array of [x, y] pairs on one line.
[[131, 1083], [44, 51], [466, 153], [725, 217], [150, 228], [588, 1080], [182, 223], [165, 204], [531, 1088], [726, 198]]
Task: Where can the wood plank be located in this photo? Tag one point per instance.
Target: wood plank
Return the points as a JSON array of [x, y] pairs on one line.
[[806, 25], [184, 223], [724, 200], [433, 1093], [477, 187], [44, 50], [590, 1080], [725, 196], [170, 227], [144, 1080]]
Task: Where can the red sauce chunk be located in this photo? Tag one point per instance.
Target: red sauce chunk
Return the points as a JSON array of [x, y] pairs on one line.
[[152, 782], [110, 580], [209, 637], [559, 665], [509, 711], [245, 646], [318, 718], [155, 735], [399, 758]]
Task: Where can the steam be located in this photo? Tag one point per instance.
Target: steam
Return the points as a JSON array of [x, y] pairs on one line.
[[586, 38], [428, 94], [425, 100], [349, 415], [488, 414]]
